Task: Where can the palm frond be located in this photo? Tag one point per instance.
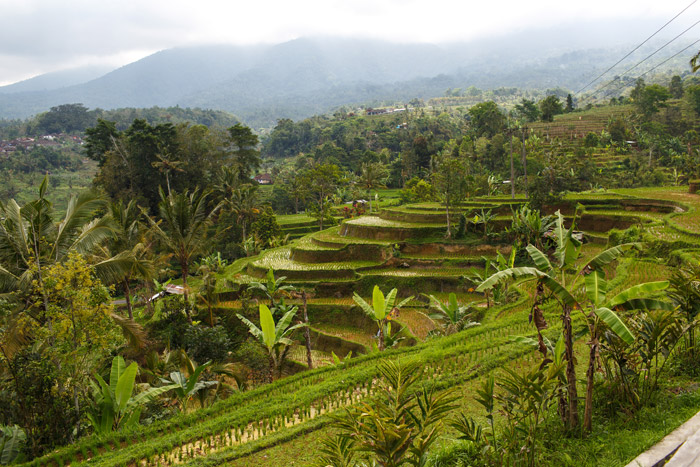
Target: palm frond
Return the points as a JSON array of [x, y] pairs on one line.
[[132, 331]]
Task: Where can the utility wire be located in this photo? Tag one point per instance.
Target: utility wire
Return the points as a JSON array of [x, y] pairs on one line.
[[645, 59], [635, 49], [657, 66]]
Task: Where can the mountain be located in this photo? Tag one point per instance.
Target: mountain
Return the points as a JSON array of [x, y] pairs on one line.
[[307, 76], [56, 80]]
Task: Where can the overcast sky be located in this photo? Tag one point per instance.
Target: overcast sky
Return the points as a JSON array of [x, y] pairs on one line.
[[38, 36]]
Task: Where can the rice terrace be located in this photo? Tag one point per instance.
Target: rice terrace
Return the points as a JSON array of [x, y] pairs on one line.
[[353, 253]]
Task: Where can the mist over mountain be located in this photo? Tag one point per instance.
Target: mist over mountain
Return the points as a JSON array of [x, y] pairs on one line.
[[306, 76]]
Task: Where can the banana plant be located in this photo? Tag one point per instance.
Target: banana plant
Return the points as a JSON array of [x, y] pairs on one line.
[[272, 287], [186, 386], [273, 336], [586, 281], [114, 405], [381, 309], [451, 316], [11, 439]]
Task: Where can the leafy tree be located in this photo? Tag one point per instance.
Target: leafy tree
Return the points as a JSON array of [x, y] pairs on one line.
[[323, 180], [65, 118], [115, 406], [549, 107], [274, 337], [651, 99], [100, 139], [450, 183], [266, 228], [242, 151], [675, 87], [30, 399], [527, 110], [692, 94], [525, 400], [569, 104], [381, 310], [486, 119], [207, 290]]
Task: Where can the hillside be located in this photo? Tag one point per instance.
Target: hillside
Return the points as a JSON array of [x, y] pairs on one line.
[[299, 78]]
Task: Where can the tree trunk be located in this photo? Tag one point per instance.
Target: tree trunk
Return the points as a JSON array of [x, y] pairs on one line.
[[271, 374], [320, 217], [127, 292], [447, 210], [512, 168], [307, 333], [380, 337], [570, 368], [185, 271], [588, 411], [525, 164], [369, 199]]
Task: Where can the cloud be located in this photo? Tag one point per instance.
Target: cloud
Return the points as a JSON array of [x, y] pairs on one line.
[[40, 35]]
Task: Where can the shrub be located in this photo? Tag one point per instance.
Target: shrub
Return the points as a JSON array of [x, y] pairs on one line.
[[205, 343]]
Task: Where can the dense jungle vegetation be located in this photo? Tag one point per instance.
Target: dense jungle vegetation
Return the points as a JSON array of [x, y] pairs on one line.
[[488, 278]]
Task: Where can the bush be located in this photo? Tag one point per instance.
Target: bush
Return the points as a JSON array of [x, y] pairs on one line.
[[252, 354], [591, 140], [462, 227], [618, 237], [170, 328], [204, 343]]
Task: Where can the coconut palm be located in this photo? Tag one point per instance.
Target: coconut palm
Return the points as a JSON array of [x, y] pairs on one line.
[[130, 240], [273, 336], [183, 231], [32, 240], [381, 310], [244, 204]]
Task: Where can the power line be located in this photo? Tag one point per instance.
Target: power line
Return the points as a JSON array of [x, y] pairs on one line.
[[657, 66], [635, 49], [646, 58]]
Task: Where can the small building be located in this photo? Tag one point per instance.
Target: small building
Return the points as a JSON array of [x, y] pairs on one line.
[[263, 179]]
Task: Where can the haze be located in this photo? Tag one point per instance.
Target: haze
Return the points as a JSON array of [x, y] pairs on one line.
[[40, 36]]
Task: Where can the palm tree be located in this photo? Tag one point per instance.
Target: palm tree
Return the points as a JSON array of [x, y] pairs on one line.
[[130, 240], [244, 204], [165, 166], [207, 291], [372, 176], [381, 310], [185, 218], [32, 240], [274, 337]]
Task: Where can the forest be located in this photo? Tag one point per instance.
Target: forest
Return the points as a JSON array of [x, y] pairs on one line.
[[488, 278]]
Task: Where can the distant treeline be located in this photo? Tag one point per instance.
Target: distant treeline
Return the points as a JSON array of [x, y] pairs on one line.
[[76, 118]]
